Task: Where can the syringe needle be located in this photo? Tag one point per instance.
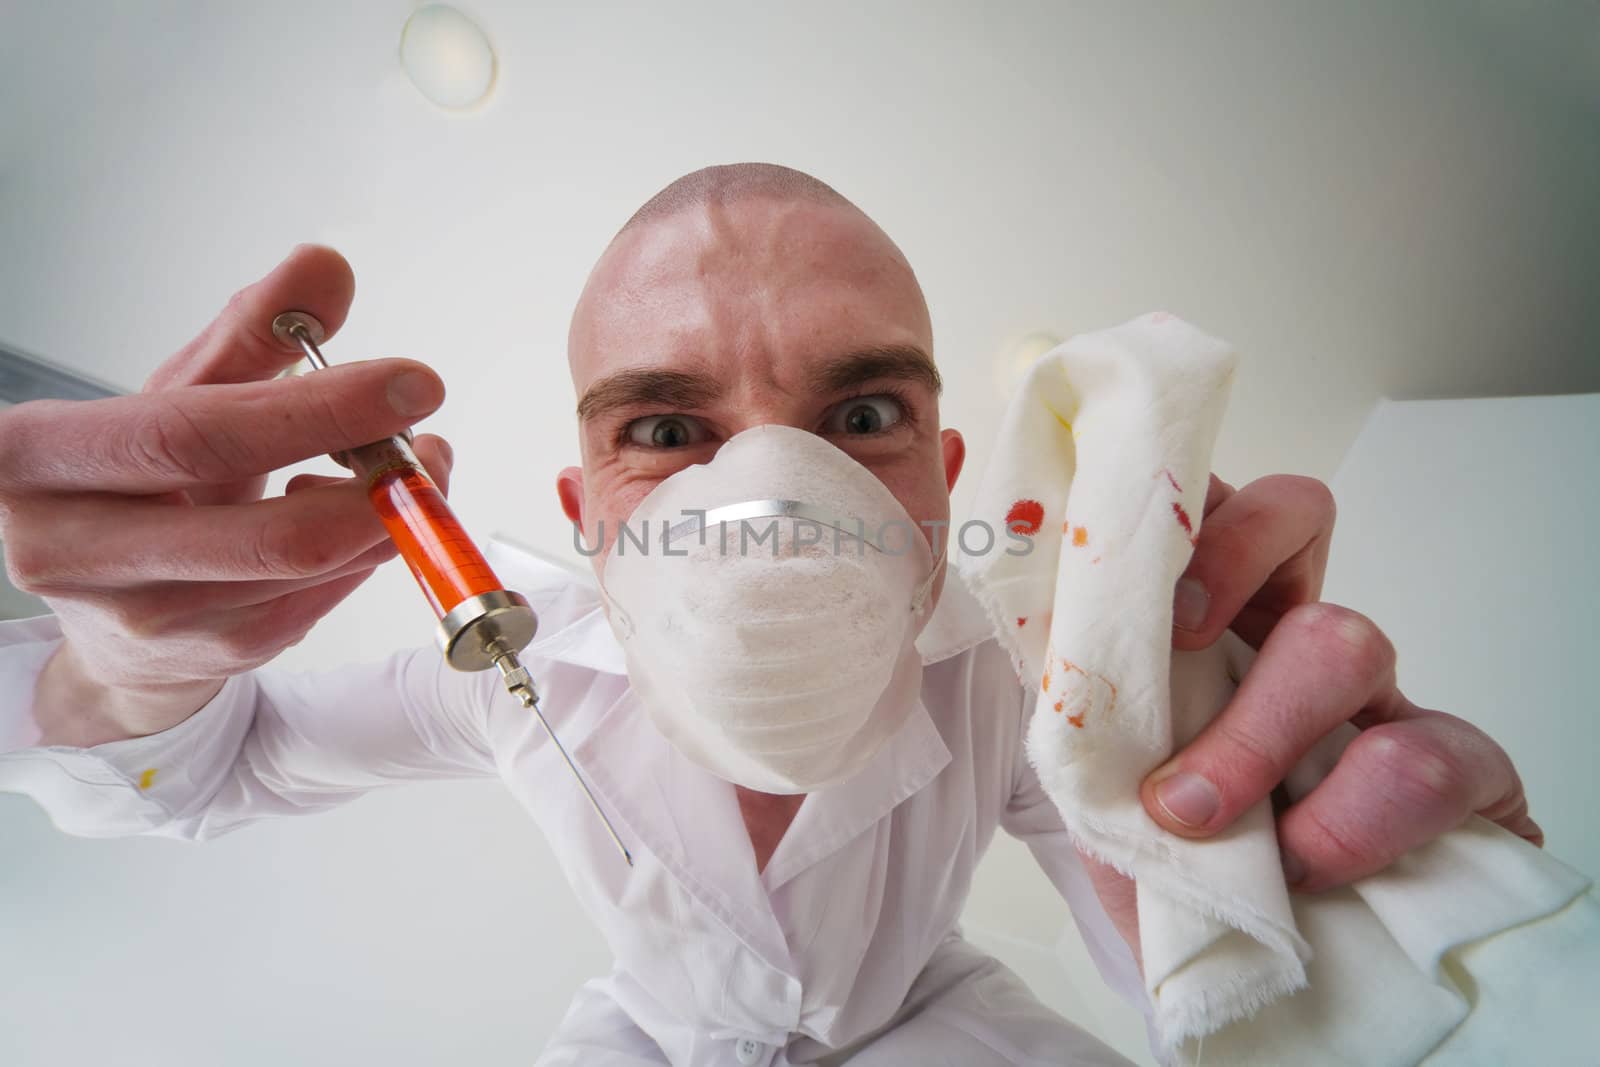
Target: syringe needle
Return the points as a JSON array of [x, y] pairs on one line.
[[533, 705], [521, 687]]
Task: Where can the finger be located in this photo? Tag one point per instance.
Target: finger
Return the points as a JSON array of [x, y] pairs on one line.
[[1511, 811], [165, 610], [1318, 668], [438, 457], [1261, 552], [249, 637], [239, 346], [1119, 897], [1217, 491], [434, 452], [1396, 786], [211, 434], [311, 533], [311, 481], [1190, 601]]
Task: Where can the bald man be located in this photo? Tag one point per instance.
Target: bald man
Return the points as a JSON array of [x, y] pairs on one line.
[[818, 928]]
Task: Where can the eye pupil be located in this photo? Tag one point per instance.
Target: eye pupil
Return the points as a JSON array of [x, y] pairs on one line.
[[670, 433], [864, 419]]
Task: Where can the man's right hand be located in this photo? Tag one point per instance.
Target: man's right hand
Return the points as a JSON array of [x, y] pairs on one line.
[[140, 520]]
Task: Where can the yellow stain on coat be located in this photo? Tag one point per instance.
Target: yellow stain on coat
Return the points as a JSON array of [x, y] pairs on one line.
[[1063, 421], [146, 778]]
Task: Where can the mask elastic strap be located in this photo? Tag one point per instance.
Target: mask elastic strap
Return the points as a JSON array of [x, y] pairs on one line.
[[920, 595], [615, 608]]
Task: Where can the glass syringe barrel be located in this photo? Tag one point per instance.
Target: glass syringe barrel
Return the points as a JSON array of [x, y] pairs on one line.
[[442, 558], [481, 623]]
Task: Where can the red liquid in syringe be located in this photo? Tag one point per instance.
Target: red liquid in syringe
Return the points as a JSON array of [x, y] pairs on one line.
[[444, 561]]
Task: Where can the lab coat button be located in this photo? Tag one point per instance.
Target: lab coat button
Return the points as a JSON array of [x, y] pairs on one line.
[[748, 1050]]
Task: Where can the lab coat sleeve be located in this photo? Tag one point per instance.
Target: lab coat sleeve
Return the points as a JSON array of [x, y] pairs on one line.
[[1031, 817], [270, 743]]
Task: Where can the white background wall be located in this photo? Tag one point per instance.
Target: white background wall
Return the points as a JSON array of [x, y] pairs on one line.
[[1369, 199]]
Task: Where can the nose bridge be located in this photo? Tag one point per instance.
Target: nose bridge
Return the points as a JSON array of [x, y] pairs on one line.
[[764, 396], [770, 408]]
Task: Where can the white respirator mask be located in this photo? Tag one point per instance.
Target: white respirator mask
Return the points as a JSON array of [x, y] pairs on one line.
[[768, 603]]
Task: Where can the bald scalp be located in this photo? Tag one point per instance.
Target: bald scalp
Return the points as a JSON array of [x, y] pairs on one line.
[[724, 192], [733, 182]]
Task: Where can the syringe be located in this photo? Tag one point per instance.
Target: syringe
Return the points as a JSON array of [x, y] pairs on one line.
[[481, 623]]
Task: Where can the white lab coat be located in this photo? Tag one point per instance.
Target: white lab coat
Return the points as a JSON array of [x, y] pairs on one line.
[[845, 948]]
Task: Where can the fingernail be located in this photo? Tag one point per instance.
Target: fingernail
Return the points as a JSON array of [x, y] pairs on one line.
[[1190, 602], [415, 393], [1294, 868], [1188, 798]]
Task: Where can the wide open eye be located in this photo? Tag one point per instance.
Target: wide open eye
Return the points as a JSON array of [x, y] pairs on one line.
[[666, 431], [864, 415]]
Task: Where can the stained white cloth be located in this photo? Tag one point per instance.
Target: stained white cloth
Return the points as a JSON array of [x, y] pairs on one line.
[[848, 940], [1103, 460]]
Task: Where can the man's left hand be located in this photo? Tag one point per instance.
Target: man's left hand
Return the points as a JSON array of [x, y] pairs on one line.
[[1412, 773]]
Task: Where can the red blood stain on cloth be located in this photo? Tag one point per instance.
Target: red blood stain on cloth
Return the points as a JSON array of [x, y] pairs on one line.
[[1025, 517], [1022, 620], [1183, 520]]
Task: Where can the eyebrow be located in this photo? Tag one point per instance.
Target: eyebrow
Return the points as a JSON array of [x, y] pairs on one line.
[[667, 388], [906, 362], [682, 390]]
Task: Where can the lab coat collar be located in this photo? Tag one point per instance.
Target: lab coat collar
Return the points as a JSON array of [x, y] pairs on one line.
[[831, 818], [689, 820]]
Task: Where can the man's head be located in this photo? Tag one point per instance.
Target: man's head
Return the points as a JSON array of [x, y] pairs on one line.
[[748, 295]]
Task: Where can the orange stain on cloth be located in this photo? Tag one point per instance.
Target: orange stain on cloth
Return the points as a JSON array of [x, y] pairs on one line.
[[1096, 688], [147, 778]]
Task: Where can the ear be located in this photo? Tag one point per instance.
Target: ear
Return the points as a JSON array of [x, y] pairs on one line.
[[955, 454], [569, 487]]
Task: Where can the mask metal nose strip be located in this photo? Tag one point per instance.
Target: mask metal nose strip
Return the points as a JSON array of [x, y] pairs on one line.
[[774, 509]]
